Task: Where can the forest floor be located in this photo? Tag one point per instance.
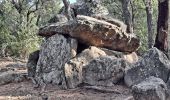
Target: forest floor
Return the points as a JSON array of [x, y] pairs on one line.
[[25, 90]]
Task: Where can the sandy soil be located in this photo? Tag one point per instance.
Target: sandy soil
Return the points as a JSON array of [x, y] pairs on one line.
[[25, 90]]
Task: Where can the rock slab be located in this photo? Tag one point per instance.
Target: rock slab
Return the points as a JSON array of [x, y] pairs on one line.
[[151, 88], [91, 31], [32, 63], [73, 68], [104, 71], [11, 76], [154, 63], [54, 53]]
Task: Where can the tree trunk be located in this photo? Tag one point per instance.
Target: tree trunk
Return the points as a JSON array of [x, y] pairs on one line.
[[67, 9], [127, 15], [169, 30], [161, 41], [149, 10]]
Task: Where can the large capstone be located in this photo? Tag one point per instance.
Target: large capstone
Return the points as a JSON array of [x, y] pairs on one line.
[[91, 31]]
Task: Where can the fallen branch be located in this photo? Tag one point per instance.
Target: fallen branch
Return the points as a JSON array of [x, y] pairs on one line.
[[101, 89]]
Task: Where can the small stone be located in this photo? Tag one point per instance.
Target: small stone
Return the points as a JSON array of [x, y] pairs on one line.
[[151, 88], [11, 76]]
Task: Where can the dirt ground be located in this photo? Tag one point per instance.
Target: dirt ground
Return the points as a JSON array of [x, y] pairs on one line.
[[25, 90]]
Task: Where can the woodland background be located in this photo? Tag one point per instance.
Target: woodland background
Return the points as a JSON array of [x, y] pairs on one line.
[[21, 19]]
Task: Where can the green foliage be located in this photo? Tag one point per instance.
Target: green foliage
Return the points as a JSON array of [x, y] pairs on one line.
[[114, 7], [19, 24], [140, 23], [140, 18]]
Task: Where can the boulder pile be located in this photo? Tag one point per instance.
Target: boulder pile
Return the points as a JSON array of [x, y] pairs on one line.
[[101, 40], [94, 49]]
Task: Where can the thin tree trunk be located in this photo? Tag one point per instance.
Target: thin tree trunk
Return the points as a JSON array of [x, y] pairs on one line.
[[38, 19], [161, 41], [169, 30], [127, 15], [67, 9], [149, 10]]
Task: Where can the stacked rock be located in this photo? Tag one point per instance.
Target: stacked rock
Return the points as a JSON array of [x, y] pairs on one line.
[[59, 62], [103, 39], [95, 49]]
